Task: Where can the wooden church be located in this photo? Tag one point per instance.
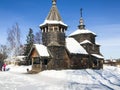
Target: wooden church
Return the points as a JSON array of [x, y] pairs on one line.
[[77, 51]]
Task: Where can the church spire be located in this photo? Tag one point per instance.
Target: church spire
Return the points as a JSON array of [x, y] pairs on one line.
[[81, 22], [54, 14], [54, 2]]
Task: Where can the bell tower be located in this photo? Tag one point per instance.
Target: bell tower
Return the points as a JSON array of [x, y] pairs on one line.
[[53, 36], [53, 28]]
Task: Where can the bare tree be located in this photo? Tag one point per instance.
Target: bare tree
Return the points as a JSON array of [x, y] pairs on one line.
[[3, 52], [14, 40], [38, 38]]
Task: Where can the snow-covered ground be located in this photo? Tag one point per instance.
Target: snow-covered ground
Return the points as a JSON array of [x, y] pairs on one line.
[[17, 79]]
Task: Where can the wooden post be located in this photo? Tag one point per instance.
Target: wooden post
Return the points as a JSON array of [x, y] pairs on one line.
[[32, 61], [41, 64]]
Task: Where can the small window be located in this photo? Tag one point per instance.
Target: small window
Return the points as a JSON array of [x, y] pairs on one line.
[[51, 28], [55, 28], [36, 60]]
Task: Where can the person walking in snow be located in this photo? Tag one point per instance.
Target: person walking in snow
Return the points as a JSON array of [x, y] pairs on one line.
[[4, 67]]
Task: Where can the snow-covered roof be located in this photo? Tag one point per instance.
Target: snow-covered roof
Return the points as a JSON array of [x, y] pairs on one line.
[[9, 59], [74, 47], [85, 41], [114, 60], [97, 43], [97, 56], [81, 31], [52, 22], [42, 50], [20, 58]]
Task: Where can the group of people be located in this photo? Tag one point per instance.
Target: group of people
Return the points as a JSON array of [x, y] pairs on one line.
[[3, 67]]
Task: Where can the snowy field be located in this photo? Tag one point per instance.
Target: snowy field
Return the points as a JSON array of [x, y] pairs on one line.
[[17, 79]]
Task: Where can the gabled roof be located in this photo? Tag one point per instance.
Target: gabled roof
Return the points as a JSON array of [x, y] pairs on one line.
[[41, 50], [81, 31], [98, 56], [53, 16], [86, 41], [74, 47], [54, 44]]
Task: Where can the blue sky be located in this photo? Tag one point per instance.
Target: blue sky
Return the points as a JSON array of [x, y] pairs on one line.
[[100, 16]]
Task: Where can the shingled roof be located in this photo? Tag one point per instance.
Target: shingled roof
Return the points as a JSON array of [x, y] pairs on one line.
[[53, 16], [74, 47]]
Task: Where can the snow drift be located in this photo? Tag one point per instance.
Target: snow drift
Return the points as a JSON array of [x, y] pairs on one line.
[[86, 79]]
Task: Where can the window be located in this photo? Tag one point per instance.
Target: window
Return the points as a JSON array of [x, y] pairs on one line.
[[50, 28], [55, 28], [36, 60]]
